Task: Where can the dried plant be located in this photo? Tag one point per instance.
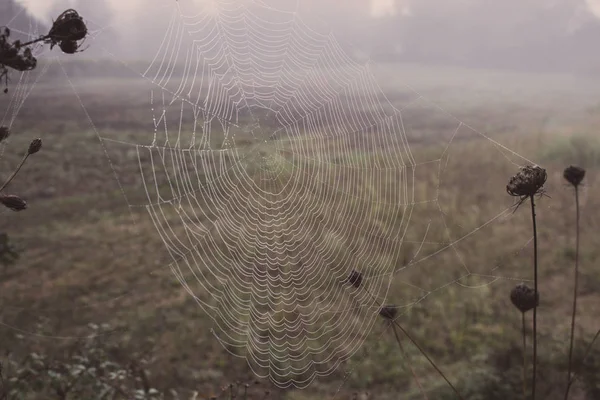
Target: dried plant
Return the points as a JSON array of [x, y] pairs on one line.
[[13, 55], [388, 313], [68, 32], [4, 133], [355, 279], [14, 202], [524, 299], [68, 27], [574, 175], [526, 184], [34, 146]]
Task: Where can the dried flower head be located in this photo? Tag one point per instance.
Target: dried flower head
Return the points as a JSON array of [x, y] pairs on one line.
[[12, 55], [69, 46], [528, 182], [35, 146], [13, 202], [574, 175], [388, 312], [524, 298], [4, 133], [69, 26], [4, 33], [66, 31], [355, 279]]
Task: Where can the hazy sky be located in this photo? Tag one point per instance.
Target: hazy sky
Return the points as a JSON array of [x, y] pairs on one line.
[[376, 8], [490, 32]]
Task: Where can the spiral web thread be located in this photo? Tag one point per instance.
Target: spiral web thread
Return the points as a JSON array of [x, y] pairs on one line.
[[288, 170], [261, 236]]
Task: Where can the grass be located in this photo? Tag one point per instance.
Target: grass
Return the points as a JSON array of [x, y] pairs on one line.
[[86, 261]]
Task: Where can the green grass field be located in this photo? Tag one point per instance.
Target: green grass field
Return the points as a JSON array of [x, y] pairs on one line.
[[91, 255]]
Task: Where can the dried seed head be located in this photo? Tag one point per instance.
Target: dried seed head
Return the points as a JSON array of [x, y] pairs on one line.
[[355, 279], [4, 34], [574, 175], [69, 46], [4, 132], [35, 146], [524, 297], [528, 181], [388, 312], [13, 202], [12, 56], [68, 26]]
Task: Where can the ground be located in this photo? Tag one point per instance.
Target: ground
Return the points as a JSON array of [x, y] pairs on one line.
[[91, 255]]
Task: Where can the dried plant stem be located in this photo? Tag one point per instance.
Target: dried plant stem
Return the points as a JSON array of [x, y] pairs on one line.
[[14, 173], [535, 289], [570, 368], [587, 353], [428, 359], [408, 363], [524, 357], [41, 38], [414, 342]]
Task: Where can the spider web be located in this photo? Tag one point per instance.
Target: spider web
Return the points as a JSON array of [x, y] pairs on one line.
[[263, 224], [277, 168]]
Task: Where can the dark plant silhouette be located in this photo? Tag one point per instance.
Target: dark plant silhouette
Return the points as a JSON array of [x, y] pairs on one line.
[[524, 299], [574, 175], [12, 201], [388, 313], [68, 32], [526, 184]]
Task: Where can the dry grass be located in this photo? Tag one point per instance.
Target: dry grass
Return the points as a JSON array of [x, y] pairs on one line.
[[86, 261]]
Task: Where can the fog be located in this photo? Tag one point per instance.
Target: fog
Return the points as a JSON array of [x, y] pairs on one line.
[[532, 35]]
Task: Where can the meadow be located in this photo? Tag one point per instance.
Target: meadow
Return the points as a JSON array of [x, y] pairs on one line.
[[91, 259]]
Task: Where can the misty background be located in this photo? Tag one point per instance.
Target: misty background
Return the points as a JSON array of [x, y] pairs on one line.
[[522, 35]]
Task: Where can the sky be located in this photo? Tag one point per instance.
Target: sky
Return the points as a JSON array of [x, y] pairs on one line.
[[377, 8], [507, 33]]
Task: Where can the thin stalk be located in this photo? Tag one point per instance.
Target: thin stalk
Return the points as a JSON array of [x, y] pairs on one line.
[[15, 173], [413, 341], [570, 369], [429, 359], [535, 290], [34, 41], [524, 357], [408, 362], [587, 353]]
